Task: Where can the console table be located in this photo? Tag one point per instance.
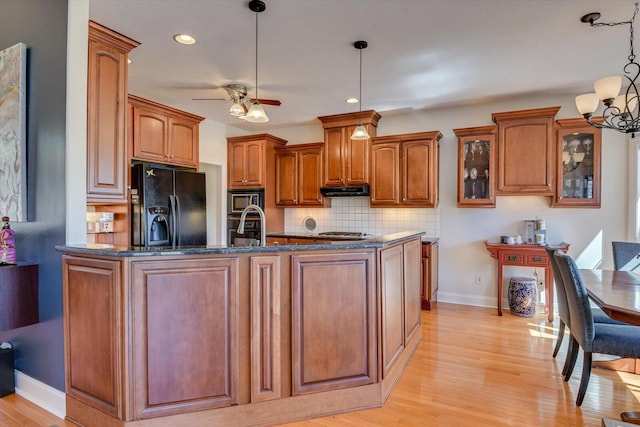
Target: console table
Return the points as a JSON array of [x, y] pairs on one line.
[[525, 256], [18, 295]]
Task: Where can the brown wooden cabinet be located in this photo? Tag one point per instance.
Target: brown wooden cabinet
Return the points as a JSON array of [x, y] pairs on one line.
[[171, 301], [578, 164], [346, 161], [429, 291], [399, 275], [476, 167], [404, 170], [106, 115], [251, 160], [162, 134], [94, 334], [526, 151], [333, 300], [299, 176]]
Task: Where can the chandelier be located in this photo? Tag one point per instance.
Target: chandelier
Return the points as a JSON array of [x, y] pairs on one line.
[[620, 109]]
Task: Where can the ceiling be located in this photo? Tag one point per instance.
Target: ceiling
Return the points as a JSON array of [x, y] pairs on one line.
[[422, 54]]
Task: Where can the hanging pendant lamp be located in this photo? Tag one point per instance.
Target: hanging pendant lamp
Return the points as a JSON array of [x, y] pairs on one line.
[[360, 132], [256, 113], [620, 109]]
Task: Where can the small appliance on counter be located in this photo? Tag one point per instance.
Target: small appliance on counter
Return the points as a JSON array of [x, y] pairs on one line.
[[168, 206], [540, 232], [100, 222]]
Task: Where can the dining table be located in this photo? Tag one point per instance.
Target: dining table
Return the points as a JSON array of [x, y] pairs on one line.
[[616, 292]]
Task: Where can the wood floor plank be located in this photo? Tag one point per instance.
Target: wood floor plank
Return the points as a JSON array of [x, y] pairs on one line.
[[473, 368]]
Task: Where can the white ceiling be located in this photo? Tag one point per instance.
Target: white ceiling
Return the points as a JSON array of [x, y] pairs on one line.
[[422, 54]]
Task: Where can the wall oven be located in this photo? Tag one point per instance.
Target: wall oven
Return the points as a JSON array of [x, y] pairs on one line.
[[251, 236], [240, 199]]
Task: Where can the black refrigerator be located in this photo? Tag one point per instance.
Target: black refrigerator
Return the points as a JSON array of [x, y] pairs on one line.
[[168, 206]]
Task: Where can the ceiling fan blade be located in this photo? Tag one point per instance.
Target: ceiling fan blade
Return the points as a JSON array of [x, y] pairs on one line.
[[266, 101]]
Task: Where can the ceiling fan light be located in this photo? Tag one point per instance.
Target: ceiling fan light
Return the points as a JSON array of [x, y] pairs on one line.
[[587, 103], [236, 110], [256, 114], [360, 132], [608, 88]]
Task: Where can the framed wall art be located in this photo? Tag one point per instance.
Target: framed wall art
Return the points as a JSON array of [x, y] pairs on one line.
[[13, 132]]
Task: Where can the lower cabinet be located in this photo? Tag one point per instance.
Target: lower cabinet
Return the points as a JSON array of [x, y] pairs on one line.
[[93, 333], [184, 335], [400, 294], [429, 291], [223, 339], [333, 310]]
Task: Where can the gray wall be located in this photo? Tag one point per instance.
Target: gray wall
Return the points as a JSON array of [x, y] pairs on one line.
[[42, 26]]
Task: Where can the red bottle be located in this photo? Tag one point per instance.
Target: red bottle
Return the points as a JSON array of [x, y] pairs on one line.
[[7, 243]]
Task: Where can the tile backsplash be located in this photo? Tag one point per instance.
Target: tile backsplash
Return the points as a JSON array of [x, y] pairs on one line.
[[354, 214]]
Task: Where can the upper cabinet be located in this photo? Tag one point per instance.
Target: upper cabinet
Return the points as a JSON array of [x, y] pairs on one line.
[[404, 170], [163, 134], [248, 158], [346, 161], [106, 115], [299, 176], [526, 151], [577, 164], [476, 167]]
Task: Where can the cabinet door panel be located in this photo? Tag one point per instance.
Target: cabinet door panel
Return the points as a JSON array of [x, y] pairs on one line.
[[417, 166], [254, 164], [385, 175], [180, 305], [393, 321], [93, 340], [106, 123], [183, 137], [150, 130], [310, 177], [578, 160], [412, 287], [334, 155], [333, 302], [357, 158], [287, 178]]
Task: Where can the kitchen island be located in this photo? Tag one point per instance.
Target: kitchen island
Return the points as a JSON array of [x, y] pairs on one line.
[[241, 336]]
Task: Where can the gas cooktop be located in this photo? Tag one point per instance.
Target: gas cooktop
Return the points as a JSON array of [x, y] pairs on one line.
[[355, 234]]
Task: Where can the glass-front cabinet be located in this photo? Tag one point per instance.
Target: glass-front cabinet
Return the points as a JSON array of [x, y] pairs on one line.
[[577, 164], [476, 167]]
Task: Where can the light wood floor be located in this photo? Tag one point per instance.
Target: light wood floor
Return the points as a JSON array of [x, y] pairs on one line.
[[472, 368]]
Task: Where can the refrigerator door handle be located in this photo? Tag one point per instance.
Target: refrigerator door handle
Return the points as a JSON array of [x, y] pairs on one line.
[[172, 223], [178, 221]]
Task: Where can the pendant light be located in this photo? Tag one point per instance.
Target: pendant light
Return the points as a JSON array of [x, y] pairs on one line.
[[360, 132], [620, 112], [256, 113]]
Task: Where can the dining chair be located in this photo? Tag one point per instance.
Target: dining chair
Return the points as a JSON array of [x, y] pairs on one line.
[[626, 255], [599, 316], [604, 338]]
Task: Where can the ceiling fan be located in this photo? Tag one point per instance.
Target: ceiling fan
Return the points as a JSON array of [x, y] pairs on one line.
[[238, 94]]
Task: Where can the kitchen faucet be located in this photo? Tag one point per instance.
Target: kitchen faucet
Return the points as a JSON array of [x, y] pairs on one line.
[[263, 222]]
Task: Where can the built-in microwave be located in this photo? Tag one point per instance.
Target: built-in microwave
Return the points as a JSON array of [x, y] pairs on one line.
[[240, 199]]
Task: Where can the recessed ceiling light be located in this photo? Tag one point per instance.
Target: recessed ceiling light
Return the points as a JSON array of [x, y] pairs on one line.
[[352, 100], [129, 61], [184, 39]]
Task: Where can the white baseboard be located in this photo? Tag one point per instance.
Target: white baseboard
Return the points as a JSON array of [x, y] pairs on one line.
[[41, 394]]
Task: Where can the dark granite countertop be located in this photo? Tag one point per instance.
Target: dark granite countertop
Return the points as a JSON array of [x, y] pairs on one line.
[[135, 251], [286, 234]]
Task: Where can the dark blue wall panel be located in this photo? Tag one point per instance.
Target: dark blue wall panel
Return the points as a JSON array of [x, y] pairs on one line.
[[42, 26]]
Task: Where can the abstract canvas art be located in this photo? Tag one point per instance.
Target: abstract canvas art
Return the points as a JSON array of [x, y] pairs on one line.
[[13, 165]]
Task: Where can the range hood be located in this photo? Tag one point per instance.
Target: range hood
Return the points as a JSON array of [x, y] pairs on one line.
[[358, 191]]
